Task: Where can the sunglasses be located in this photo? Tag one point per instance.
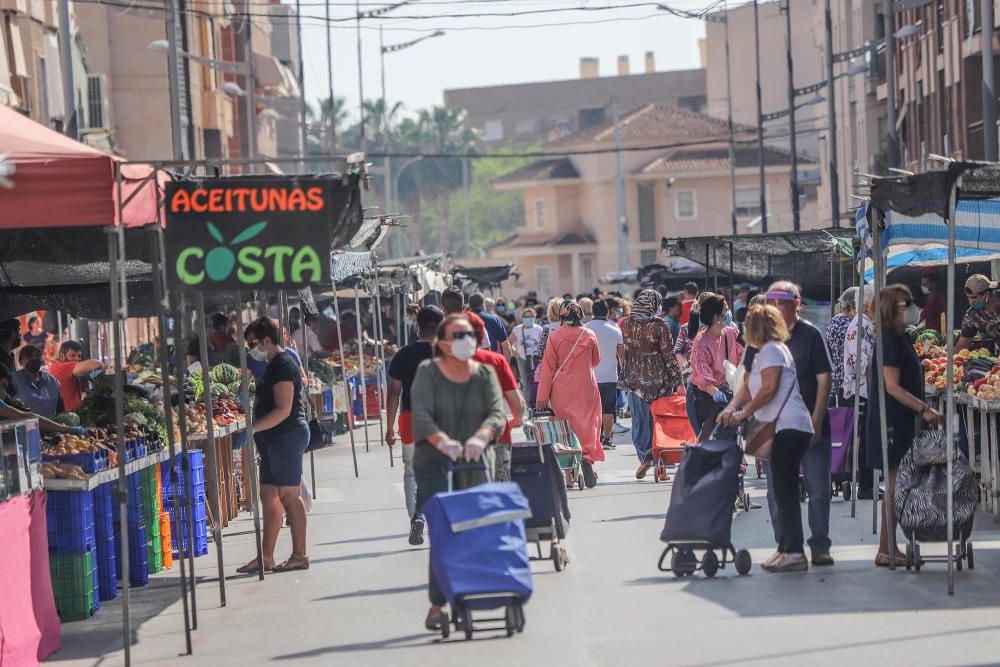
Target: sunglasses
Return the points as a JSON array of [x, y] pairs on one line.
[[969, 292], [459, 335]]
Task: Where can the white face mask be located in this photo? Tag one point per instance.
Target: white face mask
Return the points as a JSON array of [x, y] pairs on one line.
[[912, 316], [463, 348], [258, 354], [925, 289]]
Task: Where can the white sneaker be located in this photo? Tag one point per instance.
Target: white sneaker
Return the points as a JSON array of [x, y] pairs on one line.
[[775, 556], [618, 428], [788, 563]]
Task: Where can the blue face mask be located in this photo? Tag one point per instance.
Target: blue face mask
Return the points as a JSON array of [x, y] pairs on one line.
[[729, 318], [529, 321]]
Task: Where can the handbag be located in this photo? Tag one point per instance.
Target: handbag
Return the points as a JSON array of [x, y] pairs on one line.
[[759, 437]]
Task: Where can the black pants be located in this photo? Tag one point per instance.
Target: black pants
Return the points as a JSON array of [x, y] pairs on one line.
[[706, 410], [789, 447]]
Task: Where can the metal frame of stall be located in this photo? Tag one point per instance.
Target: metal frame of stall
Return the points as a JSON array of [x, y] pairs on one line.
[[953, 180], [119, 301]]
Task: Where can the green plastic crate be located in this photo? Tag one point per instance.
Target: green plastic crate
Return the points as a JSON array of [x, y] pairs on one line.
[[73, 586], [154, 557]]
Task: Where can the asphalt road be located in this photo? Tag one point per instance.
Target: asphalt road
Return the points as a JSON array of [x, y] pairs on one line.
[[364, 599]]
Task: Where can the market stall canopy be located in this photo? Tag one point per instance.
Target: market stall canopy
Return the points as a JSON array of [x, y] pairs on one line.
[[922, 241], [757, 258], [60, 182], [345, 266], [674, 270], [928, 192], [483, 276]]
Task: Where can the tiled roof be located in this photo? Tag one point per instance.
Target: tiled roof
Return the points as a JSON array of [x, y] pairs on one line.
[[651, 123], [713, 159], [540, 171], [571, 237]]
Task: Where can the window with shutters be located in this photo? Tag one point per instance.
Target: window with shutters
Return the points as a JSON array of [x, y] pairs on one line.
[[647, 213], [540, 213], [647, 257], [686, 204]]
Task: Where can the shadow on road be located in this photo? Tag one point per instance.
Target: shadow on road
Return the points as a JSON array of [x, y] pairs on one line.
[[408, 641], [373, 592], [376, 538]]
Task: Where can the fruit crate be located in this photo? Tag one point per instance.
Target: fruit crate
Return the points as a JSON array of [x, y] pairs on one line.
[[91, 462], [70, 522], [137, 560], [73, 586]]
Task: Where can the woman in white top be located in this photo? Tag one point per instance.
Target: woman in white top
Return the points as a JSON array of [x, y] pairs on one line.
[[525, 341], [772, 393]]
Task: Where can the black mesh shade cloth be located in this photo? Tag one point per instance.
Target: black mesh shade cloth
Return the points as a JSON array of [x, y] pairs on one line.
[[928, 192], [801, 257], [483, 276]]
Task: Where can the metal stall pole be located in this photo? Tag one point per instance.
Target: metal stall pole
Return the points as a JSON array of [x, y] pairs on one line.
[[732, 286], [180, 317], [950, 413], [211, 455], [343, 374], [304, 354], [833, 294], [380, 359], [249, 449], [162, 305], [715, 269], [119, 382], [361, 360], [888, 502], [856, 454]]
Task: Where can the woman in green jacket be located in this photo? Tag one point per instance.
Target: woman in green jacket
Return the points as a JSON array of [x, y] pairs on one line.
[[457, 413]]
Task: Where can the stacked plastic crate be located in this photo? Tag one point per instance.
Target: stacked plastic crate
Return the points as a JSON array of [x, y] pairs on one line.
[[151, 516], [72, 554], [138, 573], [196, 473], [104, 532]]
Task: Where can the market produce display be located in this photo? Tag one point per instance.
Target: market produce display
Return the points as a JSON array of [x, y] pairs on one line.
[[975, 373]]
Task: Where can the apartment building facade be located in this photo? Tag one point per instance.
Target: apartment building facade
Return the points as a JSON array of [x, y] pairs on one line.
[[527, 113], [570, 237]]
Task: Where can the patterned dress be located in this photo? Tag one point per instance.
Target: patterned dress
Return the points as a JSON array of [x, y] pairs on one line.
[[836, 330], [650, 369]]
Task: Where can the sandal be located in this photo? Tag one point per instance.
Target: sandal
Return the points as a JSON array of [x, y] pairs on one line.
[[253, 568], [882, 560], [295, 562]]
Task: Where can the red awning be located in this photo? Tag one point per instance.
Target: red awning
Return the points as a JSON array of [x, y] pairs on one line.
[[60, 182]]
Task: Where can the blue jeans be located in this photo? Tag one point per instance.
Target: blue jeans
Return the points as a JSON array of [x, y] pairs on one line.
[[642, 427], [691, 409], [816, 463]]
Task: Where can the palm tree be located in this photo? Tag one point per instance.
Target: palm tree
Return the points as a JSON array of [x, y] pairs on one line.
[[319, 117], [378, 118]]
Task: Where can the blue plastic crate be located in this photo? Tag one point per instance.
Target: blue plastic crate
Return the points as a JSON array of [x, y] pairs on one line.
[[70, 520], [137, 561], [104, 517], [91, 462], [107, 568], [327, 400]]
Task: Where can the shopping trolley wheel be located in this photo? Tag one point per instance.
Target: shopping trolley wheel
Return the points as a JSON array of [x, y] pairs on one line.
[[467, 623], [510, 619], [909, 558], [846, 491], [445, 625], [710, 564], [559, 557], [958, 557], [579, 479], [683, 562], [743, 561], [968, 555], [916, 557]]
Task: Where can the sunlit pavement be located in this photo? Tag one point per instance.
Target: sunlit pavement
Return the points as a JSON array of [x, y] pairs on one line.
[[363, 601]]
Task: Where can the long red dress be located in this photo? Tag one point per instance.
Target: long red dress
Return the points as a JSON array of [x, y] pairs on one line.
[[574, 396]]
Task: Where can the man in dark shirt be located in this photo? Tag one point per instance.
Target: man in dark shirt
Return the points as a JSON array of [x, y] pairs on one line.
[[402, 371], [812, 365], [10, 340], [982, 320], [495, 329], [933, 308]]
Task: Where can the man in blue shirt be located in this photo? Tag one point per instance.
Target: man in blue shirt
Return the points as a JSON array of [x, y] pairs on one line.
[[672, 314], [495, 327], [36, 388]]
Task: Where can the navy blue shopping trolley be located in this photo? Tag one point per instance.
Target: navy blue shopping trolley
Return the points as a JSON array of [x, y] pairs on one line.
[[479, 554]]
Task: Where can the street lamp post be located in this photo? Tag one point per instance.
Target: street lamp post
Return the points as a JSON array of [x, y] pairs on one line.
[[831, 145], [792, 145], [760, 120], [395, 187], [989, 94]]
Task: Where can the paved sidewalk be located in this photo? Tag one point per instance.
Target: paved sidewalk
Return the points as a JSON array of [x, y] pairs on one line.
[[364, 599]]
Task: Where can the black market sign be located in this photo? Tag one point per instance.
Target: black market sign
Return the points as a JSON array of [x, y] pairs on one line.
[[249, 233]]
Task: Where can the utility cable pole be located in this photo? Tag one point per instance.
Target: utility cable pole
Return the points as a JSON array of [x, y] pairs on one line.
[[732, 143], [70, 122], [173, 71], [831, 111], [332, 131], [620, 192], [792, 145], [989, 93], [890, 84], [760, 121], [302, 86], [361, 81]]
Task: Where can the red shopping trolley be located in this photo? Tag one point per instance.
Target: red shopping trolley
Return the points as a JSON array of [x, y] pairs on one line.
[[671, 433]]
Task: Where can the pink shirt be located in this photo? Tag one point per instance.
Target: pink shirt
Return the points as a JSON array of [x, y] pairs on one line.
[[707, 354]]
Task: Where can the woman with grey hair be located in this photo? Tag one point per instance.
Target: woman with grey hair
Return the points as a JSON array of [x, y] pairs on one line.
[[836, 330]]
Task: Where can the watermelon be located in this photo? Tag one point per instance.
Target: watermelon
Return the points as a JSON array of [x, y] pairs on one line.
[[225, 374]]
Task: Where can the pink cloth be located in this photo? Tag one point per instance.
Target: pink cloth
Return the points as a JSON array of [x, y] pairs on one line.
[[707, 354], [29, 626], [574, 396]]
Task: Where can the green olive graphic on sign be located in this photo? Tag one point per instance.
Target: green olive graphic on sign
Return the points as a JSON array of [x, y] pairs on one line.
[[219, 261]]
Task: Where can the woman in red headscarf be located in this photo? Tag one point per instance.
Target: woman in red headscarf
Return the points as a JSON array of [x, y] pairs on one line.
[[567, 383]]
